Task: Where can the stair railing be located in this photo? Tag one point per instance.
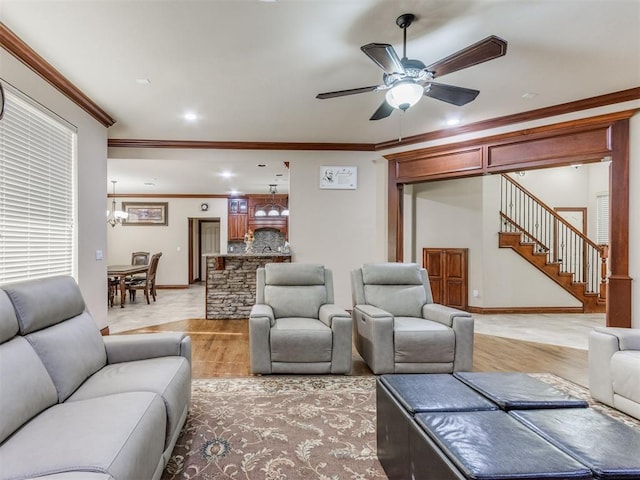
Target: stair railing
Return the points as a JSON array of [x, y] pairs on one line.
[[524, 213]]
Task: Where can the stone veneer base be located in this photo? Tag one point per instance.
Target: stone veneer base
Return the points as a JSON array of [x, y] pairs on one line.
[[231, 284]]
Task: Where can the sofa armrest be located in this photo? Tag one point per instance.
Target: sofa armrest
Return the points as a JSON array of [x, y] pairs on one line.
[[259, 343], [329, 311], [628, 338], [263, 310], [374, 329], [128, 348], [442, 314], [373, 312]]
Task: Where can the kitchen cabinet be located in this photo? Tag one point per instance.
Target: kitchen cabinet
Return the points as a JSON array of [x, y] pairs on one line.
[[238, 218]]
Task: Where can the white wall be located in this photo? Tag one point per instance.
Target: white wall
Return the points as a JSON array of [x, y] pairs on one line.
[[172, 240], [91, 180], [341, 229], [463, 213]]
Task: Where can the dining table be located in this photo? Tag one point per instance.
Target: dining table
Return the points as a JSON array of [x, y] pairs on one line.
[[122, 272]]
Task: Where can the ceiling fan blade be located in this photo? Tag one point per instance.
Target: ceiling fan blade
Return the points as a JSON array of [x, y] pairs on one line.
[[384, 56], [482, 51], [448, 93], [352, 91], [383, 111]]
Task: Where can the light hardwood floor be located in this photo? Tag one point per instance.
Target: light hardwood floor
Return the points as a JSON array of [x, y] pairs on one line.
[[221, 349]]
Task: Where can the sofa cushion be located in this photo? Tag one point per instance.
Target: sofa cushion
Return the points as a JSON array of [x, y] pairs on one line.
[[71, 351], [169, 377], [295, 301], [399, 300], [625, 374], [8, 321], [391, 274], [422, 341], [44, 302], [25, 386], [294, 274], [300, 340], [121, 435]]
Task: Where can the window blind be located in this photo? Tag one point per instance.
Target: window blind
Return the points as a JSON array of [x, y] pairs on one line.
[[602, 219], [37, 154]]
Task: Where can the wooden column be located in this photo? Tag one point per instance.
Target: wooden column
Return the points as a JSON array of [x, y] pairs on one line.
[[619, 284]]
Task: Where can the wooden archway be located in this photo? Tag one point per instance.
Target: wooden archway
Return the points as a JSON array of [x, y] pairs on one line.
[[586, 140]]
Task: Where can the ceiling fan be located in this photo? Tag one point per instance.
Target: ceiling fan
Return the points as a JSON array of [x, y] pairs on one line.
[[407, 80]]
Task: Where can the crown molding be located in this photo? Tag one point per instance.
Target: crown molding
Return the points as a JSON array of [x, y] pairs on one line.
[[23, 52]]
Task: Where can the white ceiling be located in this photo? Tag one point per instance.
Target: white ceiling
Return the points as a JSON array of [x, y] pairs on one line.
[[250, 70]]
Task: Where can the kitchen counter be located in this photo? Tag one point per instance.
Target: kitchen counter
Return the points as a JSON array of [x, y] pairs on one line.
[[231, 282]]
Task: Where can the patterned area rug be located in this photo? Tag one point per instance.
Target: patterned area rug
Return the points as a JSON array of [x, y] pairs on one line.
[[297, 427], [319, 427]]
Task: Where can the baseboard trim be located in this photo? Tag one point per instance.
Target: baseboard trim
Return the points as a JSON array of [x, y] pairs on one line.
[[499, 310], [171, 287]]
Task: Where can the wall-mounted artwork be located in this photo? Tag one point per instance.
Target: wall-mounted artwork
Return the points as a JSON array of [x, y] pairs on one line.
[[146, 213], [340, 178]]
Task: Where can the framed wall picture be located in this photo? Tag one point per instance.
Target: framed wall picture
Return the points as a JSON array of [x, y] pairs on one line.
[[146, 213], [339, 178]]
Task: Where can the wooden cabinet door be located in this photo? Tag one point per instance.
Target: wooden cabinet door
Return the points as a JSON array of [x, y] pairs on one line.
[[447, 271], [237, 227]]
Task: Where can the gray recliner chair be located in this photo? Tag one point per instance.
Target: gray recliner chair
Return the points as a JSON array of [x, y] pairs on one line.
[[295, 327], [398, 328]]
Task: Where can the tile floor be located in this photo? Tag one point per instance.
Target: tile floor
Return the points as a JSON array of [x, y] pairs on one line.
[[567, 330]]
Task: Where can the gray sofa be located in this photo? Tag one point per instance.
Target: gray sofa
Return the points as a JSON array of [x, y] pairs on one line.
[[77, 405], [614, 368]]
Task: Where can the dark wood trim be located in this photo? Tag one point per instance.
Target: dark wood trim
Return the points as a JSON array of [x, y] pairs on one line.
[[546, 112], [171, 287], [612, 139], [394, 215], [23, 52], [538, 310], [104, 331], [166, 195], [619, 282], [215, 145]]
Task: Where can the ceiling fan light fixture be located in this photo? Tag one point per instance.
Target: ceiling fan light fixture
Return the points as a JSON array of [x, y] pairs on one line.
[[404, 95]]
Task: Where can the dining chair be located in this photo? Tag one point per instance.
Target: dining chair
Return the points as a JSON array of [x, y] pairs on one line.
[[138, 258], [148, 283]]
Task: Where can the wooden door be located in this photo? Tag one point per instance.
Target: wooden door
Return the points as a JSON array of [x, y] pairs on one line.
[[447, 271]]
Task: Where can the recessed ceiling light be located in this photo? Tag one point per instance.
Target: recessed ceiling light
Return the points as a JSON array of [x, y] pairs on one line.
[[529, 95], [143, 81], [190, 116], [149, 184], [453, 121], [226, 174]]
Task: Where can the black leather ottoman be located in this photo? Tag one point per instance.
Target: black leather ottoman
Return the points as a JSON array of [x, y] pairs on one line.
[[485, 445], [513, 390], [609, 448], [399, 397]]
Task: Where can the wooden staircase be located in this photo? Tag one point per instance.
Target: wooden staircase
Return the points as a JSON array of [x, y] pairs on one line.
[[591, 302], [539, 235]]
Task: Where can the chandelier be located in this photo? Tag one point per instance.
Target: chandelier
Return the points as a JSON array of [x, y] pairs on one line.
[[271, 209], [115, 217]]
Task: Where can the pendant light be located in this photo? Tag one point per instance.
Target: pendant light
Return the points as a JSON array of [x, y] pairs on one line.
[[115, 217]]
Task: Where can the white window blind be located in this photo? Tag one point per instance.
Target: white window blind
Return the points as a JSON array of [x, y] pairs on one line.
[[36, 192], [602, 218]]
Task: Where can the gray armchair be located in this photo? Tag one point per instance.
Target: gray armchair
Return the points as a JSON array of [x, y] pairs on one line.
[[614, 368], [294, 327], [398, 328]]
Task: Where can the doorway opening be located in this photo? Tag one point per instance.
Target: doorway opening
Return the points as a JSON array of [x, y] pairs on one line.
[[204, 239]]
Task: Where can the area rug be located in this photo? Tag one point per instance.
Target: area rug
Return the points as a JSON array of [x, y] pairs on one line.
[[293, 427]]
